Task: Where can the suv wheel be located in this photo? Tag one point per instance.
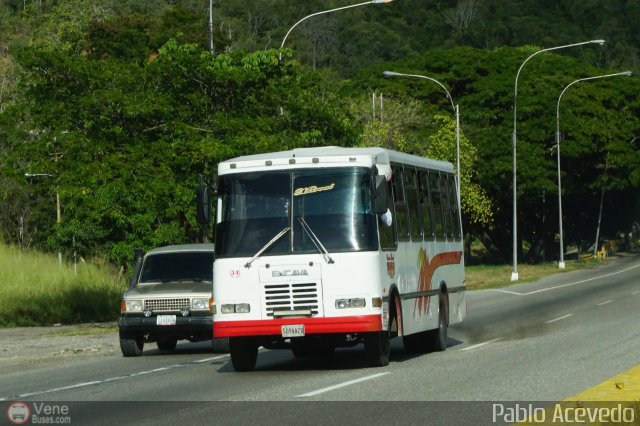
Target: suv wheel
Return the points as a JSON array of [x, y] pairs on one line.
[[131, 346], [167, 344]]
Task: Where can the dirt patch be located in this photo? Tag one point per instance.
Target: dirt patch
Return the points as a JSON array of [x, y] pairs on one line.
[[24, 348]]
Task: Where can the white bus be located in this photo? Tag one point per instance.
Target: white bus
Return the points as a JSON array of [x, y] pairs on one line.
[[308, 260]]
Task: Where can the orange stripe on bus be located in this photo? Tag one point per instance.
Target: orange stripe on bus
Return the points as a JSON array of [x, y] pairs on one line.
[[427, 269]]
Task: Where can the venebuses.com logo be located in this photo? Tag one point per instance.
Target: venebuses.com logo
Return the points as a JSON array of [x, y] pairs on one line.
[[20, 413]]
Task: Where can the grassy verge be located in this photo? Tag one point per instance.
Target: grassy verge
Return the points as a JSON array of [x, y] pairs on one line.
[[85, 331], [36, 290], [492, 276]]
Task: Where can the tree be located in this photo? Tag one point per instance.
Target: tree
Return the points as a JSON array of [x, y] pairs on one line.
[[128, 143]]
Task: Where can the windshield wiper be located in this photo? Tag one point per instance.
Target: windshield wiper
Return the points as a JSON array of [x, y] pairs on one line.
[[315, 240], [266, 246]]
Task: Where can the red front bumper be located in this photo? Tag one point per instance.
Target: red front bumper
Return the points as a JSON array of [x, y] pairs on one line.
[[271, 327]]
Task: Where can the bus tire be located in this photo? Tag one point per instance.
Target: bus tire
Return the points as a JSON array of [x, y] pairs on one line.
[[244, 353], [131, 346], [377, 346], [439, 335]]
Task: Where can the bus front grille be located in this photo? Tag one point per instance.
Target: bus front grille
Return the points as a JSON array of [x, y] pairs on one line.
[[291, 297]]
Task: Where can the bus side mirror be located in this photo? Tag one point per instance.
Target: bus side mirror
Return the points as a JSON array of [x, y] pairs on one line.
[[380, 195], [203, 205]]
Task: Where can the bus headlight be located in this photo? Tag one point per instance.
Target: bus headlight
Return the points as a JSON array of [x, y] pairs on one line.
[[243, 308], [350, 303], [238, 308], [227, 309]]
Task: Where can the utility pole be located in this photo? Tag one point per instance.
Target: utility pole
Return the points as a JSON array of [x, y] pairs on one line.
[[211, 49]]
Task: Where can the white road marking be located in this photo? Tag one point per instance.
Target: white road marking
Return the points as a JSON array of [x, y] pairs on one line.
[[558, 319], [568, 284], [341, 385], [604, 303], [111, 379], [468, 348], [635, 292]]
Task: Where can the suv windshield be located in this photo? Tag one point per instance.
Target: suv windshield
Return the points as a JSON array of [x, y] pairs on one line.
[[334, 203], [186, 266]]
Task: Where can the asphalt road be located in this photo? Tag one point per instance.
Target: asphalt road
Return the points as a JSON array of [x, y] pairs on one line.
[[536, 342]]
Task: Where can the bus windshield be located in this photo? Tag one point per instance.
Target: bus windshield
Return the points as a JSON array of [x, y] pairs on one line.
[[331, 206]]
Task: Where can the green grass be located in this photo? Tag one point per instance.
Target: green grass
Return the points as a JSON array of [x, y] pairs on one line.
[[493, 276], [36, 290]]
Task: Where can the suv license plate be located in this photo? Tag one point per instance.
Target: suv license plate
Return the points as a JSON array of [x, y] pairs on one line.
[[166, 320], [296, 330]]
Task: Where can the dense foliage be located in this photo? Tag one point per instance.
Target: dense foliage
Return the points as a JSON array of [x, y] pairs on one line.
[[122, 108]]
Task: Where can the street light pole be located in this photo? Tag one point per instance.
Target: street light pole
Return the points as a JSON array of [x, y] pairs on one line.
[[211, 49], [58, 209], [327, 11], [514, 272], [561, 263], [456, 112]]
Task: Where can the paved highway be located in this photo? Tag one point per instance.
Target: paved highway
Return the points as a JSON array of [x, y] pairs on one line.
[[542, 341]]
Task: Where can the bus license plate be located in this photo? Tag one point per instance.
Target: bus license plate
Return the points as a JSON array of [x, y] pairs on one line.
[[296, 330], [166, 320]]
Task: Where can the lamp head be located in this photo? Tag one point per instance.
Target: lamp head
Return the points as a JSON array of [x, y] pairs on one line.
[[381, 1], [626, 73], [599, 41], [391, 74]]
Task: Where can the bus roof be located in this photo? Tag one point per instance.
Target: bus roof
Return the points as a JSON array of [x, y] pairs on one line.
[[370, 155]]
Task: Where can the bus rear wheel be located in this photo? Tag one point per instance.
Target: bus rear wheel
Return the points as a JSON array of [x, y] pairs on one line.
[[438, 338], [244, 353]]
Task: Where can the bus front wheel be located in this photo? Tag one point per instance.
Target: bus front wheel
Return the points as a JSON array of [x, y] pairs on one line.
[[377, 346], [244, 353]]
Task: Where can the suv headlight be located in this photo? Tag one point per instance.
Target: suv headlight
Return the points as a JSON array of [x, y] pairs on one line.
[[200, 303], [133, 305]]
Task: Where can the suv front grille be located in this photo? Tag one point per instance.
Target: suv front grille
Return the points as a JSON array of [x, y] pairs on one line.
[[166, 304], [283, 297]]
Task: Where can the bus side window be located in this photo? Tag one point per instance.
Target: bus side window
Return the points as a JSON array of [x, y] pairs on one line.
[[425, 204], [412, 202], [436, 203], [401, 217]]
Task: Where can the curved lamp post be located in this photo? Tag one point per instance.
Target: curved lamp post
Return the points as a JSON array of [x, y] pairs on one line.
[[456, 112], [327, 11], [561, 264], [514, 272]]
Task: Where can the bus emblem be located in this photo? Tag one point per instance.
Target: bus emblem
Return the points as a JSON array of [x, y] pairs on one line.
[[391, 266], [290, 273]]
